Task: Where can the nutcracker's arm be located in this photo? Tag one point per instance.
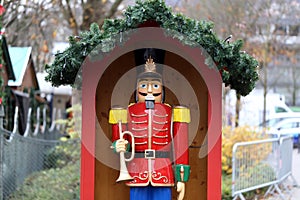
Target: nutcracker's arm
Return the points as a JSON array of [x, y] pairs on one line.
[[116, 116], [181, 120]]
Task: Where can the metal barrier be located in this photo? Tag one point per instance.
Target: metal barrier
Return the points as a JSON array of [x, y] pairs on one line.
[[258, 164], [20, 155]]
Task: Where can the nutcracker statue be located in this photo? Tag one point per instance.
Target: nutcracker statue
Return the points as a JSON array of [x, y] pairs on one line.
[[152, 139]]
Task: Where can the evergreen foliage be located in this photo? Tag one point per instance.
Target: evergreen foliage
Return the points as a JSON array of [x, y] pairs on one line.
[[238, 69]]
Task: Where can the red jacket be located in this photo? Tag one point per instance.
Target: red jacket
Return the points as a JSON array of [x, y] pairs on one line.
[[151, 129]]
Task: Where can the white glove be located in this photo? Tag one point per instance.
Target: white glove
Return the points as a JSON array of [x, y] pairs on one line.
[[180, 190], [121, 145]]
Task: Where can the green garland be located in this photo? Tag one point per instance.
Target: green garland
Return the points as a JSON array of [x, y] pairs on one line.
[[238, 69]]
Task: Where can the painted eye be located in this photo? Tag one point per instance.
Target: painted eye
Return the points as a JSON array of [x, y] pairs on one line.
[[155, 86], [143, 86]]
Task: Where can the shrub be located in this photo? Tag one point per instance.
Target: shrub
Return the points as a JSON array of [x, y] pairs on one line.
[[230, 136], [62, 154], [226, 187]]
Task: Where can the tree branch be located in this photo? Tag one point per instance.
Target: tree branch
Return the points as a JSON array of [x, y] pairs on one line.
[[69, 16]]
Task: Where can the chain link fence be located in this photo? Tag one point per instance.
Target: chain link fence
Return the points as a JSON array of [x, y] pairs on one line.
[[37, 166]]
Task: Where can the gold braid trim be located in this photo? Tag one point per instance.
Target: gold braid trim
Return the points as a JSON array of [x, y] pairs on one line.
[[116, 115], [181, 114]]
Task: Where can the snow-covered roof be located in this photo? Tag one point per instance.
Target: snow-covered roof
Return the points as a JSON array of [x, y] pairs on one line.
[[19, 59], [47, 88]]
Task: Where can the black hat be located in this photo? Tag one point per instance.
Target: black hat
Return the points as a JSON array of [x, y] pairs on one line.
[[142, 56], [149, 64]]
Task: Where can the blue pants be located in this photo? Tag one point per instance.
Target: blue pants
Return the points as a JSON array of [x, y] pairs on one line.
[[150, 193]]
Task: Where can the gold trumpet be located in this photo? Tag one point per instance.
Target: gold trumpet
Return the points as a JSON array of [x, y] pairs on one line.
[[124, 174]]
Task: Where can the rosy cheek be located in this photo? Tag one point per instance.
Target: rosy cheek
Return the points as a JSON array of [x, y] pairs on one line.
[[158, 99], [141, 98]]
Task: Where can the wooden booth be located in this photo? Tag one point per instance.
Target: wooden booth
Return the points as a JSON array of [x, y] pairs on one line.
[[110, 80]]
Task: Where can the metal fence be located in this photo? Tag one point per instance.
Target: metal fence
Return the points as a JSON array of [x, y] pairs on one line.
[[258, 164], [21, 155]]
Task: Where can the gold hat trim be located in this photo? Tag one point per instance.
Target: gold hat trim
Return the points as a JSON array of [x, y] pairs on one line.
[[150, 65]]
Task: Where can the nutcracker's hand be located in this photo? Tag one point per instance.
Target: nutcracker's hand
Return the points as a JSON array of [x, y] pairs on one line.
[[121, 145], [180, 190]]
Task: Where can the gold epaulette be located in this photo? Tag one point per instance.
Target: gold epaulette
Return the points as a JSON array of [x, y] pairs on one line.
[[131, 104], [117, 114], [181, 114], [167, 104]]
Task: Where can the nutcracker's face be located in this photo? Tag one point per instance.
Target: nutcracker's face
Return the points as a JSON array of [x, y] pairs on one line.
[[149, 87]]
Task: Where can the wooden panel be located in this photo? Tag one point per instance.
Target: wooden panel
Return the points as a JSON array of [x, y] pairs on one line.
[[105, 176], [196, 187]]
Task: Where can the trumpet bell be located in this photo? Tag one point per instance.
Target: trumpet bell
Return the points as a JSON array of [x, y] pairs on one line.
[[124, 176]]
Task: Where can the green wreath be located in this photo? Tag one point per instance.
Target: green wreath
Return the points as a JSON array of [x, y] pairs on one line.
[[238, 69]]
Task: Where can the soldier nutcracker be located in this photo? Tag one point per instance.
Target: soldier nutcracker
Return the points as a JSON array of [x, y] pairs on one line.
[[159, 140]]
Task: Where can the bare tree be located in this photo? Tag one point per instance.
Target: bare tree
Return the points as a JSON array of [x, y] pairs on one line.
[[232, 18], [40, 23], [262, 24], [271, 44]]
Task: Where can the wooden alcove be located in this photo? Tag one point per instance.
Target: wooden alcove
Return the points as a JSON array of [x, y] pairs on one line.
[[101, 80]]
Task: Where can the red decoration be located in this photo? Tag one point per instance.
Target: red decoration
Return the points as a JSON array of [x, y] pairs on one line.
[[2, 10]]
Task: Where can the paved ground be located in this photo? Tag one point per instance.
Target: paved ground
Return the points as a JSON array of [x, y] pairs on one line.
[[296, 174], [294, 193]]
